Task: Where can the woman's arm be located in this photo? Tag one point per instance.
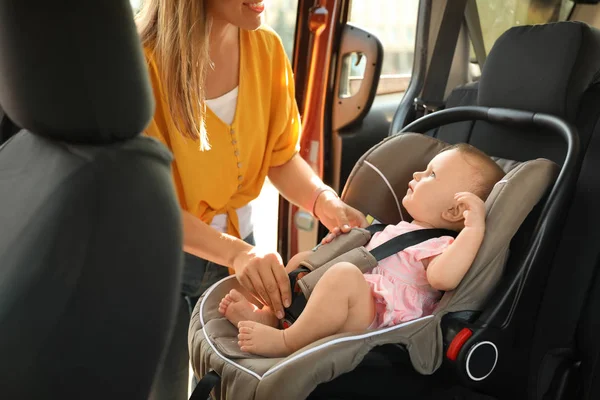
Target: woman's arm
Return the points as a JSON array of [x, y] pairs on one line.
[[205, 242], [262, 273], [297, 182]]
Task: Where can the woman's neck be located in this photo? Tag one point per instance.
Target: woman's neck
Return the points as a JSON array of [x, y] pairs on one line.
[[223, 38], [224, 51]]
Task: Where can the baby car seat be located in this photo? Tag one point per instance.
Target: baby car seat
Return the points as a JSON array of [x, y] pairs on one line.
[[213, 341]]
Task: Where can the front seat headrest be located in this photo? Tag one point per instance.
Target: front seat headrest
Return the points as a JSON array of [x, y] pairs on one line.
[[73, 70], [542, 68]]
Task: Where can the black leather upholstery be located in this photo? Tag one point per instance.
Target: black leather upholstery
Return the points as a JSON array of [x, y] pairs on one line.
[[78, 67], [7, 127], [542, 68], [90, 230], [553, 68]]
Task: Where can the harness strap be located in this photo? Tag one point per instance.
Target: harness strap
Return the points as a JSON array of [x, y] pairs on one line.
[[406, 240]]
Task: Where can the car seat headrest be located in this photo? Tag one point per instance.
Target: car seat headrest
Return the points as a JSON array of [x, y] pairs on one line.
[[74, 70], [542, 68]]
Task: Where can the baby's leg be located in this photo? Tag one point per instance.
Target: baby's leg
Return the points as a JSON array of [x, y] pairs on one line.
[[235, 307], [341, 302]]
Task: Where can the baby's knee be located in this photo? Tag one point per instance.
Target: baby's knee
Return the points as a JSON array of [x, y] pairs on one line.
[[343, 272]]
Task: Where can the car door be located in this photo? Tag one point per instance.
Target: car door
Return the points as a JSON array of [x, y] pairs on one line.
[[347, 91]]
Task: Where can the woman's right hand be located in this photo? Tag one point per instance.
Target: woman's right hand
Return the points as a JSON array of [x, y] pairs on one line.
[[263, 274]]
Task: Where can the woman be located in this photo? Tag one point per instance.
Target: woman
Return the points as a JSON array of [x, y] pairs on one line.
[[226, 146]]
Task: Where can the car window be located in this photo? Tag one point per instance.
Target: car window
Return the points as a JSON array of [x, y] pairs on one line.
[[135, 4], [396, 29], [281, 16]]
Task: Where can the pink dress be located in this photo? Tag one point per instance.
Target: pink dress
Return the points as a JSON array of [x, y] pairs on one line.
[[399, 282]]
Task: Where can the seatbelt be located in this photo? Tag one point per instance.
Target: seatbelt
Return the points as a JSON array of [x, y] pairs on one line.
[[406, 240], [206, 384], [434, 88], [474, 30]]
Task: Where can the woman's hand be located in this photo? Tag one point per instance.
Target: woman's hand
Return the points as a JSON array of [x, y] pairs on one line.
[[334, 213], [263, 274], [332, 235]]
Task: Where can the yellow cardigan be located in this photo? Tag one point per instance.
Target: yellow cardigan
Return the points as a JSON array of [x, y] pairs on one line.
[[264, 133]]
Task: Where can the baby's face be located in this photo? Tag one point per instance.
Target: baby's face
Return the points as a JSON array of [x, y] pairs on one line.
[[431, 192]]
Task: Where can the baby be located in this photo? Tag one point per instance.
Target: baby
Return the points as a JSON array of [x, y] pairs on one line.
[[449, 194]]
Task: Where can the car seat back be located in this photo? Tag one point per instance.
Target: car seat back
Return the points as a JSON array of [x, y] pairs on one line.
[[90, 230]]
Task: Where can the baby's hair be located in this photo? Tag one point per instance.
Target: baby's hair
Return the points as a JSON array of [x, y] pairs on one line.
[[489, 171]]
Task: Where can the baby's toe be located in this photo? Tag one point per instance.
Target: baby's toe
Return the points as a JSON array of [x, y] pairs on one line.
[[235, 295], [246, 326]]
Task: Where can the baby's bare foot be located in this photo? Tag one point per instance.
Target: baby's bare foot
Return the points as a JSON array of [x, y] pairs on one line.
[[235, 307], [263, 340]]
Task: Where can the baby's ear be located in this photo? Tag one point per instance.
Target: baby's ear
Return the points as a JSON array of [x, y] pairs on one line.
[[454, 213]]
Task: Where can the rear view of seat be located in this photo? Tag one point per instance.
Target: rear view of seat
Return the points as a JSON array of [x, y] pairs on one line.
[[90, 231]]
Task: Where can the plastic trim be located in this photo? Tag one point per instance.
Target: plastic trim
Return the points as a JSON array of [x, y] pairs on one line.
[[471, 350]]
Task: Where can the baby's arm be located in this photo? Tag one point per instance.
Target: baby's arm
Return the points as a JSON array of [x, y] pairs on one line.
[[445, 271]]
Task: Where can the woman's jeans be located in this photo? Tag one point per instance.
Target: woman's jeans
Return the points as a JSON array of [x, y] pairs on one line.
[[172, 379]]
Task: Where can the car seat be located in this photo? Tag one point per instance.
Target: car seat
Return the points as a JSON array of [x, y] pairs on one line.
[[566, 91], [90, 227]]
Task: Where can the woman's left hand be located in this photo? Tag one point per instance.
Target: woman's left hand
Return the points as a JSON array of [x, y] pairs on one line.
[[334, 213]]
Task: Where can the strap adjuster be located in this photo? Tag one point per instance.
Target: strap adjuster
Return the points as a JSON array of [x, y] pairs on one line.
[[427, 107]]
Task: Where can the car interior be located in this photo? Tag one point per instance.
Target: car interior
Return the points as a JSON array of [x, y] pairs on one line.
[[88, 283]]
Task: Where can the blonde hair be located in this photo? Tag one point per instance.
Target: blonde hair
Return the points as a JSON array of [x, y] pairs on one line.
[[177, 32], [489, 171]]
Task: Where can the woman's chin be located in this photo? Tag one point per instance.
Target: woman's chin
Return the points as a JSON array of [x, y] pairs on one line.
[[252, 23]]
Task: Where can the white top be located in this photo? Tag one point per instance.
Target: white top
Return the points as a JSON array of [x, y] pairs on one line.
[[224, 108], [219, 222]]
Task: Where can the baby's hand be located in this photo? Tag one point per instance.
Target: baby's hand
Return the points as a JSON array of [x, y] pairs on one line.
[[474, 213]]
